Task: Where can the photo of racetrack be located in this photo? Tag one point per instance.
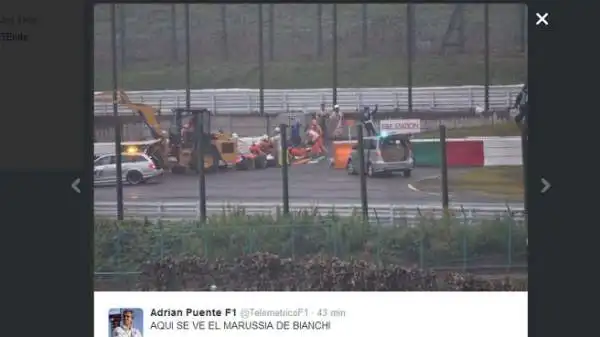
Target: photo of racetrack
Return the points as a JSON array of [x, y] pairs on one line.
[[199, 152]]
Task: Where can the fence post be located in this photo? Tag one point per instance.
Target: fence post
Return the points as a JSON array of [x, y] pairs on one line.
[[122, 35], [523, 28], [486, 38], [524, 160], [444, 168], [361, 172], [365, 29], [205, 241], [376, 217], [174, 44], [409, 54], [261, 65], [225, 44], [422, 251], [200, 166], [162, 239], [334, 54], [117, 118], [284, 169], [250, 241], [118, 245], [319, 31], [277, 211], [378, 247], [509, 241], [333, 232], [471, 98], [421, 239], [464, 240], [198, 215], [271, 10], [293, 239]]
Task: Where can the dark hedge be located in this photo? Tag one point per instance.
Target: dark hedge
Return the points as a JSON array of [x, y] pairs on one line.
[[128, 254]]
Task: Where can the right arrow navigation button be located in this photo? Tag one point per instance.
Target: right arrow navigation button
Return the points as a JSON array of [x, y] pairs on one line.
[[546, 185]]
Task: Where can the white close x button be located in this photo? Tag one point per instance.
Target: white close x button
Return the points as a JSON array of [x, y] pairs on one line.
[[542, 19]]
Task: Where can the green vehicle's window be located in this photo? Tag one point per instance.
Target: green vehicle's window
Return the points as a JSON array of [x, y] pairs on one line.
[[394, 140], [387, 141]]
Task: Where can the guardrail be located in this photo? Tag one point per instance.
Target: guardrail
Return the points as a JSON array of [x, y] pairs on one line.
[[470, 151], [386, 214], [246, 101]]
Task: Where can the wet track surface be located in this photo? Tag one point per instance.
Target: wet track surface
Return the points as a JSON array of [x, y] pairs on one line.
[[307, 183]]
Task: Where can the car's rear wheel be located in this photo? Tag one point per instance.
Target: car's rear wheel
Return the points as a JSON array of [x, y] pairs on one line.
[[243, 164], [214, 167], [260, 162], [406, 173], [134, 177]]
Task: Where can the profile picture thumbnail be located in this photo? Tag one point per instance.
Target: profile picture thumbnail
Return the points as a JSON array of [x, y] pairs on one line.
[[125, 322]]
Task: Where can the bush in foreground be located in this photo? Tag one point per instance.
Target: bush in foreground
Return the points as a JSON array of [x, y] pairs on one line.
[[121, 248], [269, 272]]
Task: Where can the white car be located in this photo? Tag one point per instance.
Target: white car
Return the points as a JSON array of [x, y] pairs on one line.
[[136, 168]]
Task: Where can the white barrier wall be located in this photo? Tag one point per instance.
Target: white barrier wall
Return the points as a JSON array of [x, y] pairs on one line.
[[246, 101], [505, 151]]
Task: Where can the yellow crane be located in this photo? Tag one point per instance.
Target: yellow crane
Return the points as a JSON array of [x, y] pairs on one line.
[[171, 149], [147, 112]]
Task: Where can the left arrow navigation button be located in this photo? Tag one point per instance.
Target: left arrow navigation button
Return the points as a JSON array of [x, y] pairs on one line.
[[75, 185]]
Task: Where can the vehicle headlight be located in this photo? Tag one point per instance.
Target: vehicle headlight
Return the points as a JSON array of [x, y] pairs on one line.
[[132, 149]]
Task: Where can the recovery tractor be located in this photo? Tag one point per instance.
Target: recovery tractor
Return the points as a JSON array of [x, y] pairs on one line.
[[220, 149], [177, 149]]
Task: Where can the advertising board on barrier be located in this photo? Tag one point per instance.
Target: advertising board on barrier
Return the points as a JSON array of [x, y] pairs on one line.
[[400, 126]]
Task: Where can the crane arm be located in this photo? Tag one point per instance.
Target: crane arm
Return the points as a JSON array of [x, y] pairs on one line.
[[147, 112]]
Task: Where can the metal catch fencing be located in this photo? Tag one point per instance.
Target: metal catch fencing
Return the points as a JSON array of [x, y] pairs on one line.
[[247, 101], [311, 45], [484, 241], [381, 214]]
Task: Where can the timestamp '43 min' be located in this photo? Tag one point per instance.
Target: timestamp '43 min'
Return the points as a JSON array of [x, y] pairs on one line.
[[331, 313]]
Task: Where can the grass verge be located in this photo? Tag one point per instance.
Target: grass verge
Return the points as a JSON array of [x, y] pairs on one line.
[[151, 44], [502, 182], [429, 70]]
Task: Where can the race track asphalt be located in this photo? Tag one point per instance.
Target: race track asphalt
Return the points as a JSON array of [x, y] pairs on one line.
[[307, 183]]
